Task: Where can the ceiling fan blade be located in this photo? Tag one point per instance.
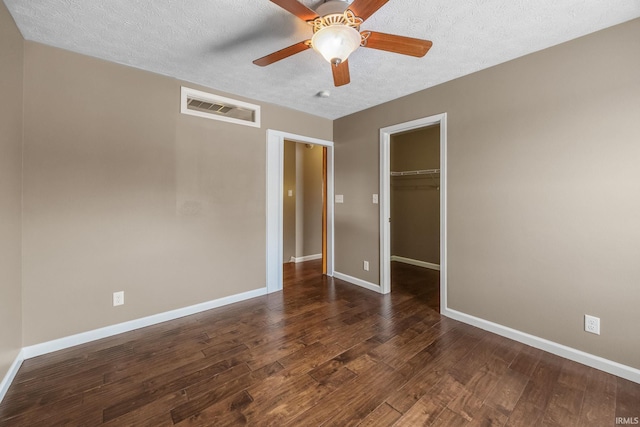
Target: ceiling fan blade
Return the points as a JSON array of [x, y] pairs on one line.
[[396, 44], [283, 53], [341, 73], [365, 8], [297, 8]]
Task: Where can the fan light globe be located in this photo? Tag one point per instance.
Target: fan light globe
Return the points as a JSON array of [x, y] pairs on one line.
[[336, 42]]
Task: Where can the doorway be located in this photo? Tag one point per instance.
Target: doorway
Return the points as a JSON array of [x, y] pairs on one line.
[[415, 213], [304, 203], [275, 201], [386, 218]]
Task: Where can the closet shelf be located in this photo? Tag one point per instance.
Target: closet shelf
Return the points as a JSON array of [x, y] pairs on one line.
[[416, 172]]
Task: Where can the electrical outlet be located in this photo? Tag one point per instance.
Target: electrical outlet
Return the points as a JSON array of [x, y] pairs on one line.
[[118, 298], [365, 265], [592, 324], [375, 199]]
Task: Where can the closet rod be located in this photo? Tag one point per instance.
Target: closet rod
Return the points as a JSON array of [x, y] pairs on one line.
[[417, 172]]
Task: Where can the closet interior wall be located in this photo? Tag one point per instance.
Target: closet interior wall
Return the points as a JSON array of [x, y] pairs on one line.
[[415, 198]]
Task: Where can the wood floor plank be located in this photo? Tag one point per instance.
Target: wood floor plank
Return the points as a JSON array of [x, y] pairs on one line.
[[599, 406], [424, 412], [365, 393], [345, 333], [526, 361], [574, 375], [290, 391], [448, 355], [281, 402], [337, 378], [39, 415], [480, 358], [383, 415], [339, 361], [84, 361], [525, 414], [135, 366], [467, 405], [431, 352], [448, 418], [322, 352], [309, 357], [428, 407], [483, 383], [203, 396], [627, 399], [401, 348], [488, 416], [235, 371], [157, 412], [267, 353], [362, 364], [507, 392], [564, 406], [227, 412], [165, 384], [354, 333], [542, 381]]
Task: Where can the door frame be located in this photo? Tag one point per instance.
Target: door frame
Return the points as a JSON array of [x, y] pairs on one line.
[[385, 199], [275, 200]]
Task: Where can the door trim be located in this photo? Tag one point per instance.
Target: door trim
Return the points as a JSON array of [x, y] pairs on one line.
[[275, 199], [385, 199], [324, 210]]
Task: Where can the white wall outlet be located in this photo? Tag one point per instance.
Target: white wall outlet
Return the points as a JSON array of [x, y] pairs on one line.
[[365, 265], [339, 198], [592, 324], [290, 193], [118, 298], [375, 199]]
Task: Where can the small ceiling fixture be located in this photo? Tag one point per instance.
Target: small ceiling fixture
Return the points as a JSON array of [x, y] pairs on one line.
[[336, 34]]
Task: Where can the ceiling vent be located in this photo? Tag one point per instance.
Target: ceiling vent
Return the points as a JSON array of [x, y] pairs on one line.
[[210, 106]]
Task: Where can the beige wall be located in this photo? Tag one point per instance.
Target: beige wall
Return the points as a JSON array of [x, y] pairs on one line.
[[543, 201], [11, 79], [122, 192], [302, 213], [415, 199]]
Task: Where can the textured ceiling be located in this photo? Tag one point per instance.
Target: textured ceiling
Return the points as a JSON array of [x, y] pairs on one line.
[[213, 42]]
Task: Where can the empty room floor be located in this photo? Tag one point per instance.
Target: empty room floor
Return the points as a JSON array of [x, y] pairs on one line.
[[322, 352]]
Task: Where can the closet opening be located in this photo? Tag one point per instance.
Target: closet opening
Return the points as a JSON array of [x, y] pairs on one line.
[[413, 208], [415, 212]]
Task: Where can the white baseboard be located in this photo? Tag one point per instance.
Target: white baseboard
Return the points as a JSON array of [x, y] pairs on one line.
[[356, 281], [11, 374], [415, 262], [597, 362], [305, 258], [96, 334]]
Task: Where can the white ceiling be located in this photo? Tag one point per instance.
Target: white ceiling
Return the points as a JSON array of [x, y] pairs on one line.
[[213, 42]]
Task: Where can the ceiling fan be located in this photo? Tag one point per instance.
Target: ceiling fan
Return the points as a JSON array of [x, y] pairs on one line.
[[336, 34]]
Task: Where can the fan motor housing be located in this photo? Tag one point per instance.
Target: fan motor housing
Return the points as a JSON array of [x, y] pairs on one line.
[[333, 7]]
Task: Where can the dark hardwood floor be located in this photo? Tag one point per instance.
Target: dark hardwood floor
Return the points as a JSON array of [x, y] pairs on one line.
[[322, 352]]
